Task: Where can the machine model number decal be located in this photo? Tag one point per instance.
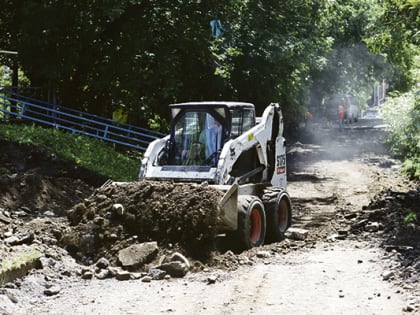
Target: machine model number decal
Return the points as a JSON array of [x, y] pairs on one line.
[[281, 164]]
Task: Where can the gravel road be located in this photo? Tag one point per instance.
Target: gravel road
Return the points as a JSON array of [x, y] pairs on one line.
[[333, 177]]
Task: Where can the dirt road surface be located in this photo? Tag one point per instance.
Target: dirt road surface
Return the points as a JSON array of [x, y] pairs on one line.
[[336, 269], [338, 279]]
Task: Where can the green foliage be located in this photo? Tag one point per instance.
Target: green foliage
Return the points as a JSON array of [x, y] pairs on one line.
[[4, 170], [20, 259], [411, 166], [410, 217], [146, 54], [100, 55], [402, 115], [89, 153], [157, 123], [6, 77], [397, 37], [143, 55], [350, 68], [394, 36]]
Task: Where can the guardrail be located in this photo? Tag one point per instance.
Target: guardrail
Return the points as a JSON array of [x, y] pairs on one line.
[[13, 105]]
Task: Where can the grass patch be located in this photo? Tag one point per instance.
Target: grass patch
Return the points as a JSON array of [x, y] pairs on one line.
[[93, 154], [14, 263]]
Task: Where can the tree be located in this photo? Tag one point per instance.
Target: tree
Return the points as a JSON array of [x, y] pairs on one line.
[[102, 55], [350, 67], [270, 49], [396, 37], [143, 55]]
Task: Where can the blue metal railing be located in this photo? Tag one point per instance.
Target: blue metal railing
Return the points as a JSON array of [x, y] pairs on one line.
[[44, 113]]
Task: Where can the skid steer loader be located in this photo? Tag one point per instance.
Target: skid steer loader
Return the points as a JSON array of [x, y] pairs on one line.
[[223, 145]]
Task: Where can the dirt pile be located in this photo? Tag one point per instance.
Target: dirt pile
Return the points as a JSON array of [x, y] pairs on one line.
[[393, 217], [35, 193], [119, 215], [16, 158], [398, 215]]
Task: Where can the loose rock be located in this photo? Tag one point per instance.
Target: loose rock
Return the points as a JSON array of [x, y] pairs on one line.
[[138, 254], [387, 275], [123, 275], [296, 234], [52, 291], [175, 268]]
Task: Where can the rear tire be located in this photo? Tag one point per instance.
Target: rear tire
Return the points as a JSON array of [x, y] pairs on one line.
[[251, 223], [279, 215]]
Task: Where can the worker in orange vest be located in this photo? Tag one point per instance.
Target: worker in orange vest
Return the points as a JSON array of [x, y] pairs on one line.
[[308, 117], [341, 115]]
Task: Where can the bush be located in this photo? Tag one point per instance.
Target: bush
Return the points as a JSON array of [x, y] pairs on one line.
[[402, 115]]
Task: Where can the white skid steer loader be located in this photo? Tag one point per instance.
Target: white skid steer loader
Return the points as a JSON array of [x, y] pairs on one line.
[[224, 145]]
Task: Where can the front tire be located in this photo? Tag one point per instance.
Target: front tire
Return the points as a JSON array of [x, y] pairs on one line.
[[251, 223]]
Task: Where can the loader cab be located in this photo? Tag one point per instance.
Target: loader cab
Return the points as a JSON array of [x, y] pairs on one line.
[[199, 130], [196, 138]]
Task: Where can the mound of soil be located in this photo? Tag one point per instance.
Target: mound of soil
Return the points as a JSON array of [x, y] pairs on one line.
[[394, 216], [60, 203], [118, 215], [37, 194], [16, 158], [36, 182], [36, 190]]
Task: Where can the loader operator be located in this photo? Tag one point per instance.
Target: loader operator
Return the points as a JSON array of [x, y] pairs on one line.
[[211, 139]]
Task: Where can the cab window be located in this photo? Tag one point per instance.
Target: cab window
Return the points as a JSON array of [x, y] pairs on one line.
[[197, 139], [242, 121]]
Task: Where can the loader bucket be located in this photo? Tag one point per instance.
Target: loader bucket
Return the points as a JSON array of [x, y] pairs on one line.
[[228, 216]]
